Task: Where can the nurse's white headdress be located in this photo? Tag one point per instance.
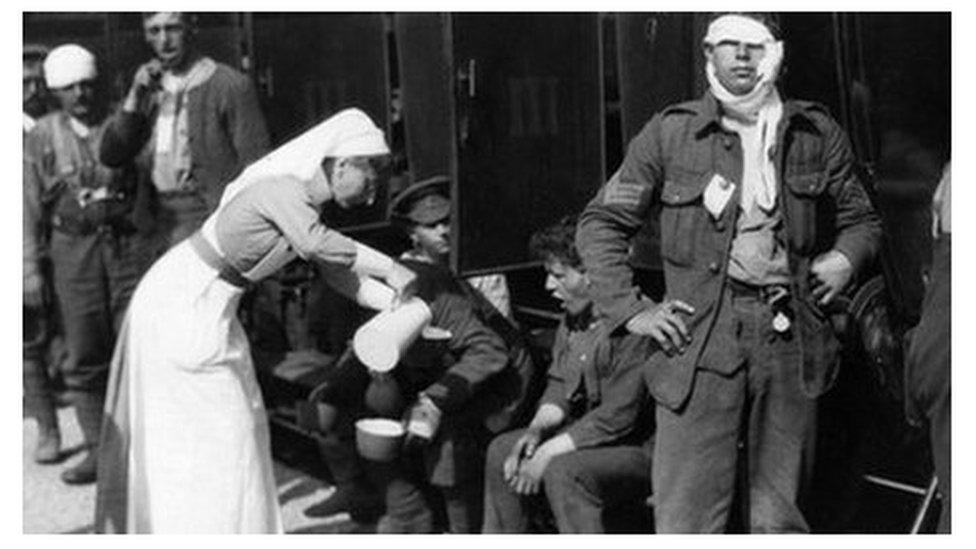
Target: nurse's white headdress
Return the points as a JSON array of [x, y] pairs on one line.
[[347, 133]]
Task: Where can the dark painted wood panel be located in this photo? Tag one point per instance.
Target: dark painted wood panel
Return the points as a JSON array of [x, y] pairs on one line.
[[530, 126]]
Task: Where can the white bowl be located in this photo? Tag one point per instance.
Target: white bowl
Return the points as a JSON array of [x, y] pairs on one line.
[[378, 439]]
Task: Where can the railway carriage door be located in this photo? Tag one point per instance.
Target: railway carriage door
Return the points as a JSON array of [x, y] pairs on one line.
[[311, 65], [529, 129]]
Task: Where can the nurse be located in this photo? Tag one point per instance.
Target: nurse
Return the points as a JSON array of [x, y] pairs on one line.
[[185, 443]]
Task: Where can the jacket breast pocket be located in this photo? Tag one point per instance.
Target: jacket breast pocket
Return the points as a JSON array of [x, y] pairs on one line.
[[682, 215], [805, 209]]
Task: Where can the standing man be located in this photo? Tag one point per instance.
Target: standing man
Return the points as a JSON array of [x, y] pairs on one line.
[[35, 95], [763, 224], [38, 393], [193, 124], [92, 220]]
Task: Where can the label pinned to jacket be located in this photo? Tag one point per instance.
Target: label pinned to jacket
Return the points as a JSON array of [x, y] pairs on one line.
[[717, 194]]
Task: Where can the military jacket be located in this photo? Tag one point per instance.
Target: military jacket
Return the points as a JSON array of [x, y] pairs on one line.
[[671, 162]]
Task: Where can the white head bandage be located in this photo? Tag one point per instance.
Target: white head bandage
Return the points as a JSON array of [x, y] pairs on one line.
[[67, 65], [738, 28]]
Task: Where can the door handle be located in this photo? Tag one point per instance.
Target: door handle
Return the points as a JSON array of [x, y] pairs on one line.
[[467, 89], [650, 30], [467, 76], [266, 80]]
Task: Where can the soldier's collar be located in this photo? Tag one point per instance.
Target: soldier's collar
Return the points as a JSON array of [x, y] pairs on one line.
[[581, 320], [708, 115]]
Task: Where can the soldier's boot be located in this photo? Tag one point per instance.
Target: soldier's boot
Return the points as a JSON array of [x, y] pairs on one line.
[[41, 406], [88, 408], [354, 494], [48, 448]]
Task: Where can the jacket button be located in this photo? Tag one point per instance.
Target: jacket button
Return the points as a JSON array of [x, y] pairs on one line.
[[727, 142], [713, 266]]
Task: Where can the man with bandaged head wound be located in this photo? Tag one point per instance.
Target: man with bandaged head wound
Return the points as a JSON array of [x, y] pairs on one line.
[[763, 224], [93, 222]]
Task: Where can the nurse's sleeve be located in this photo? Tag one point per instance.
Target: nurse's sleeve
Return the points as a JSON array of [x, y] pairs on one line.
[[347, 264]]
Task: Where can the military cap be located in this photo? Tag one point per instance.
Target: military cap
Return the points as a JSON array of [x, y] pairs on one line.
[[424, 202]]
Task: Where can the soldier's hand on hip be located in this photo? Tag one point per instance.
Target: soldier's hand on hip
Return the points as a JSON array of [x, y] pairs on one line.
[[830, 273], [664, 323]]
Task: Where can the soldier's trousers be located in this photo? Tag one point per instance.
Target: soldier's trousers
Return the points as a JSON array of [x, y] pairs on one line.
[[94, 277], [759, 403], [579, 486], [38, 393]]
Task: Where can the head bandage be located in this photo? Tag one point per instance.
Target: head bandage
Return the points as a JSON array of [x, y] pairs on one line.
[[738, 28], [67, 65]]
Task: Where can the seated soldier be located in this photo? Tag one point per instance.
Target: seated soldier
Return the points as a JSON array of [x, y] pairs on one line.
[[423, 211], [475, 382], [588, 448]]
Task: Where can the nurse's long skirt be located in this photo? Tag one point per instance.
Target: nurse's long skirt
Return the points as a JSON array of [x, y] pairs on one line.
[[185, 444]]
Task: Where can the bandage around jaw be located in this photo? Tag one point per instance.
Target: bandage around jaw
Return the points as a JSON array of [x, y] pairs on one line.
[[67, 65], [742, 29], [381, 342], [738, 28]]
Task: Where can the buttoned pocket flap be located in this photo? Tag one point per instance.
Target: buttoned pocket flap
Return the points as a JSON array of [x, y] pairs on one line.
[[683, 187], [811, 184]]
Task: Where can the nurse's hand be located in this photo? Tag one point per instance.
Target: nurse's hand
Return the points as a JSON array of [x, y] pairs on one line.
[[403, 281]]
